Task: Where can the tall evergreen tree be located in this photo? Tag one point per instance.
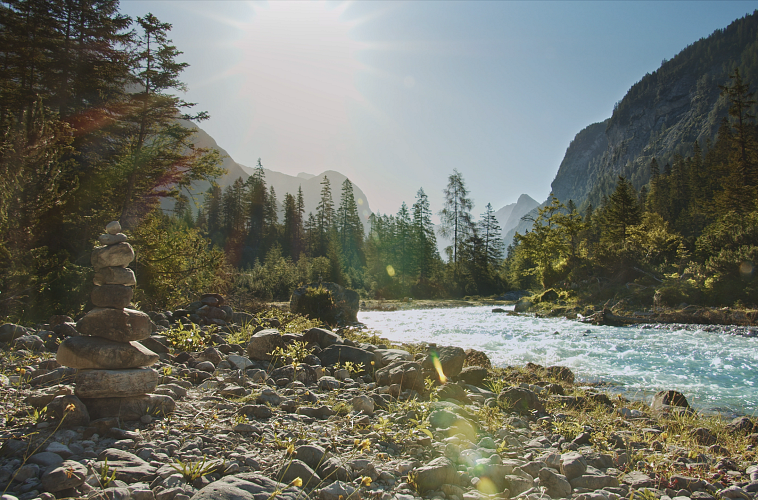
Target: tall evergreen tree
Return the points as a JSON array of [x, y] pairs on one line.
[[622, 211], [455, 216], [492, 240], [350, 228], [424, 238], [324, 217]]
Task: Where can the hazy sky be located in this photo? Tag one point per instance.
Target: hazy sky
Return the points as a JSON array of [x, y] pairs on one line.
[[397, 94]]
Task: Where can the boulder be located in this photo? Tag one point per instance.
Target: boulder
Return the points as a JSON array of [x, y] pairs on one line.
[[324, 338], [434, 474], [408, 374], [119, 325], [473, 375], [111, 239], [263, 344], [297, 468], [69, 474], [128, 467], [304, 373], [102, 354], [117, 296], [70, 409], [343, 310], [115, 383], [114, 276], [339, 353], [389, 355], [118, 255], [557, 484], [522, 401], [663, 399], [450, 358], [523, 305], [9, 332]]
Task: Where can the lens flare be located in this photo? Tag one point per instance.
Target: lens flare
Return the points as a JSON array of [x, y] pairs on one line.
[[391, 271], [486, 486], [746, 269], [438, 367]]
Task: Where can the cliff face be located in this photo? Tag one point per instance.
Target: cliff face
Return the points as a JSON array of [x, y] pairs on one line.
[[662, 115]]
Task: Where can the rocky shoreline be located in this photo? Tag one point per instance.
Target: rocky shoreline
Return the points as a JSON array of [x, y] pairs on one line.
[[317, 414]]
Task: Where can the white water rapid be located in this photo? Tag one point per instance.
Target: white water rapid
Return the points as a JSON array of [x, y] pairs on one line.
[[717, 372]]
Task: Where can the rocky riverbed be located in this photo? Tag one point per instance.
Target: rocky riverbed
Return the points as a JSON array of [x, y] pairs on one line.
[[338, 416]]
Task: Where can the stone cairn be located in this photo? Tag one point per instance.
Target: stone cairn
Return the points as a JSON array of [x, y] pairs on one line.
[[113, 378]]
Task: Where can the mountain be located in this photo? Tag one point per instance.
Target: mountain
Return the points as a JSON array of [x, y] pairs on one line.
[[662, 115], [515, 211], [283, 183]]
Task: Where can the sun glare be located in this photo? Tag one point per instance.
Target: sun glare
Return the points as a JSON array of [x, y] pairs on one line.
[[299, 66]]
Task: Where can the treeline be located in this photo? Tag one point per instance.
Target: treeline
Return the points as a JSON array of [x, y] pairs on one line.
[[88, 134], [691, 234], [396, 258]]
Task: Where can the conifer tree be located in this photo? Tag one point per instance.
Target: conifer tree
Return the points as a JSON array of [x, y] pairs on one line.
[[492, 240], [455, 216], [622, 211], [350, 228], [425, 241], [324, 217]]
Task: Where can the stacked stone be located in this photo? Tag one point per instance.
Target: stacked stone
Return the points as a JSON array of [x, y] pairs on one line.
[[113, 378]]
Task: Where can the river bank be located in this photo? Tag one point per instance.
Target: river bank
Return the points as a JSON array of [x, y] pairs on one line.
[[245, 429]]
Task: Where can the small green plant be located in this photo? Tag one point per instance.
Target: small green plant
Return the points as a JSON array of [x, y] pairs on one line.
[[193, 470], [496, 385], [167, 371], [188, 338], [293, 353], [107, 475], [37, 415], [351, 367]]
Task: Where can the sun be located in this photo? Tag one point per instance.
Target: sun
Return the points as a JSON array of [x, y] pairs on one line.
[[299, 65]]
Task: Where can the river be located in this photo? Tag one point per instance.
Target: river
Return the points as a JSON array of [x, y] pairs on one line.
[[716, 372]]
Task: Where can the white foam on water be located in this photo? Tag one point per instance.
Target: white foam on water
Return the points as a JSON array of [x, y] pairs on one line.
[[712, 369]]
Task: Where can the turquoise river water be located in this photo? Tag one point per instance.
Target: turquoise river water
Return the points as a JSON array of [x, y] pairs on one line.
[[717, 372]]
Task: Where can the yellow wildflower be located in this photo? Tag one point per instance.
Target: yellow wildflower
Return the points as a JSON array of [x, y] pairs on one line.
[[365, 481], [297, 482]]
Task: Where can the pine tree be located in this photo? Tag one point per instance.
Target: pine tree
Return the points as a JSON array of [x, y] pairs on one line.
[[622, 211], [350, 228], [425, 241], [403, 242], [455, 217], [492, 240], [324, 217]]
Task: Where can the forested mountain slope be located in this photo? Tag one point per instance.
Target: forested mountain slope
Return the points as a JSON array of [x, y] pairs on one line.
[[661, 116]]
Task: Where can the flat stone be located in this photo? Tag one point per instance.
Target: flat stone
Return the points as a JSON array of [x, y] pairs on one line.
[[128, 467], [434, 474], [46, 459], [68, 474], [120, 325], [70, 410], [115, 383], [592, 482], [118, 255], [239, 362], [339, 353], [248, 486], [115, 276], [132, 408], [103, 354], [117, 296], [111, 239]]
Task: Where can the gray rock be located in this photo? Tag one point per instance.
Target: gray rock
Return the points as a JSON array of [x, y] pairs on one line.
[[495, 476], [69, 410], [523, 305], [328, 383], [111, 239], [263, 343], [119, 325], [269, 397], [29, 342], [332, 469], [118, 255], [363, 404], [304, 373], [239, 362], [113, 227], [573, 465], [637, 480], [117, 296], [114, 276], [557, 485], [247, 486], [103, 354], [313, 455], [9, 332], [68, 474], [451, 359], [156, 343], [46, 459], [663, 399], [389, 355], [317, 412], [26, 472], [437, 472], [522, 401], [257, 412], [297, 468], [338, 491], [517, 485], [339, 353], [131, 408], [115, 383], [594, 482], [128, 467], [408, 374], [324, 338], [473, 375], [347, 302]]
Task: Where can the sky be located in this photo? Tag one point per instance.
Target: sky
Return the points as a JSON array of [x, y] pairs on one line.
[[396, 95]]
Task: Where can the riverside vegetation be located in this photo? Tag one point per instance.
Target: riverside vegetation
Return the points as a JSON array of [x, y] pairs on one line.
[[273, 406]]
